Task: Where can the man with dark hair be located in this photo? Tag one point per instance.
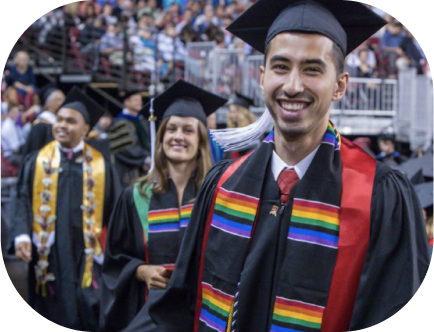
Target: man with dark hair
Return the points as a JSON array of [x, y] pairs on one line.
[[308, 232], [65, 195], [129, 140]]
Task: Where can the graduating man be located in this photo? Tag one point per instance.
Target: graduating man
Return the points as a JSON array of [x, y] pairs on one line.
[[65, 194], [129, 140], [41, 133], [344, 248]]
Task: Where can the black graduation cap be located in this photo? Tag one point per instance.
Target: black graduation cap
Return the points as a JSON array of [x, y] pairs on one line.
[[185, 100], [127, 94], [412, 166], [85, 105], [242, 100], [425, 193], [46, 91], [347, 23]]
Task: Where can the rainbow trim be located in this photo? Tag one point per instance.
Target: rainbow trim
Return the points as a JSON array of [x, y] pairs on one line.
[[185, 215], [292, 315], [270, 137], [161, 221], [234, 213], [314, 222], [332, 137], [215, 307]]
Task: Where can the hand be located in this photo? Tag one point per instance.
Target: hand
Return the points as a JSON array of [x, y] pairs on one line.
[[23, 251], [155, 276]]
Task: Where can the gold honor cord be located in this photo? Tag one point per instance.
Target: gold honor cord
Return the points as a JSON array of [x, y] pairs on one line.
[[93, 206], [44, 201], [44, 210]]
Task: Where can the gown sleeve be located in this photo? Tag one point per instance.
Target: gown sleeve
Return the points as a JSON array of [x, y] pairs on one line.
[[397, 258], [21, 208], [122, 295], [179, 299], [39, 136]]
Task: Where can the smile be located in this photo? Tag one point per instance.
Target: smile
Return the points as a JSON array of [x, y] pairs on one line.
[[292, 106]]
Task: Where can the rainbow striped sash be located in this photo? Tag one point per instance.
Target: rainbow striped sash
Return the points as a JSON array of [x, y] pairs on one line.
[[313, 235]]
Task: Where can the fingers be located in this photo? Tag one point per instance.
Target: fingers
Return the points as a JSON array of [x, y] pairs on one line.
[[157, 285], [24, 251]]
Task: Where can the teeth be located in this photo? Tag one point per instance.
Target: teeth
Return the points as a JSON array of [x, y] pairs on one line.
[[292, 107]]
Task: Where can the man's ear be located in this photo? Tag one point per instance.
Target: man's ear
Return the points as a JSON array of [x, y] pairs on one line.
[[86, 129], [340, 86], [261, 80]]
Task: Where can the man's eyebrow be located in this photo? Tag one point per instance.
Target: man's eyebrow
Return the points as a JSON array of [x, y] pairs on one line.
[[313, 61]]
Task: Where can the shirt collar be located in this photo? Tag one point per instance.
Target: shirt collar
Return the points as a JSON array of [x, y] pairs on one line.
[[278, 165], [77, 148], [127, 112]]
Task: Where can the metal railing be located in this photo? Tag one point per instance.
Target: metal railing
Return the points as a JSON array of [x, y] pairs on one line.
[[63, 49]]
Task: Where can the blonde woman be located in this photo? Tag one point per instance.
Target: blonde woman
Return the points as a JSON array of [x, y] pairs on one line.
[[150, 218]]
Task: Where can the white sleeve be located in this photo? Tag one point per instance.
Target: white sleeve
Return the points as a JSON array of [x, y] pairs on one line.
[[22, 238]]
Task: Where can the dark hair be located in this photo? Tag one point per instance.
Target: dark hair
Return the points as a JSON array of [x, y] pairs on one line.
[[337, 56]]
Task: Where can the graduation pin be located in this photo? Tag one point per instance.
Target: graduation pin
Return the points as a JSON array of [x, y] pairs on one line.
[[274, 210]]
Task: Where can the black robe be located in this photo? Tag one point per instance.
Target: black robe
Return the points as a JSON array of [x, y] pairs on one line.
[[395, 264], [70, 305], [123, 295], [130, 144]]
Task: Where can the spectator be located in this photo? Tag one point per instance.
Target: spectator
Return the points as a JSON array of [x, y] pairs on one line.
[[10, 100], [21, 76], [84, 10], [145, 51], [364, 69], [91, 34], [413, 55], [12, 136], [107, 14], [71, 16], [170, 46], [175, 11], [388, 154], [146, 21], [112, 44], [220, 15], [186, 29], [196, 8], [206, 20], [151, 8], [352, 61], [228, 36], [390, 44]]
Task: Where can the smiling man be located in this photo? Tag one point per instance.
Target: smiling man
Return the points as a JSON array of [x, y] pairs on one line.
[[65, 194], [307, 233]]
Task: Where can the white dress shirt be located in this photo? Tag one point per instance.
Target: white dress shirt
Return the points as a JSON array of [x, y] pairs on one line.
[[278, 165]]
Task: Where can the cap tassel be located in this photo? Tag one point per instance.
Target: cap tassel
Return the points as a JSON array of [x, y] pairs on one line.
[[232, 139], [152, 119]]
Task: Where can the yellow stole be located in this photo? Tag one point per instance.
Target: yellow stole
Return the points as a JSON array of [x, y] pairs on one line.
[[44, 201]]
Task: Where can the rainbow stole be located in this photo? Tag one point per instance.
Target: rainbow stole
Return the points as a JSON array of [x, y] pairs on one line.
[[44, 202], [313, 232], [169, 220]]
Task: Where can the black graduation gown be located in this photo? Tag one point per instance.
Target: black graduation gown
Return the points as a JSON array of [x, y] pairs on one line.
[[130, 148], [69, 305], [123, 295], [395, 264], [40, 135]]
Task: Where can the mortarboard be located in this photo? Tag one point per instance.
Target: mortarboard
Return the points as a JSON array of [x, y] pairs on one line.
[[425, 193], [347, 23], [242, 101], [185, 100], [85, 105], [46, 91], [412, 166], [127, 94], [181, 99]]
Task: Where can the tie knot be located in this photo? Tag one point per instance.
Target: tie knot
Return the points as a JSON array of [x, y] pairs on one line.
[[286, 180], [69, 155]]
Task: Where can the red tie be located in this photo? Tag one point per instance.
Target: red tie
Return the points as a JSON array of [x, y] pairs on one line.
[[69, 155], [286, 180]]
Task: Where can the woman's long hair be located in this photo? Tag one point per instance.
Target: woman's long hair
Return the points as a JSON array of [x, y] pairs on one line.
[[159, 174], [245, 118]]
